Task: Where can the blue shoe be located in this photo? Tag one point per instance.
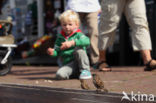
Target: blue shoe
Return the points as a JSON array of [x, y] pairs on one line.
[[85, 74]]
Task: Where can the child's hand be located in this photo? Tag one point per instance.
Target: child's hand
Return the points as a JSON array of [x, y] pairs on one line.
[[67, 44], [50, 51]]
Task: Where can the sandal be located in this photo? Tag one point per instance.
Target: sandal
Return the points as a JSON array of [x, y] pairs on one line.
[[150, 66], [102, 65]]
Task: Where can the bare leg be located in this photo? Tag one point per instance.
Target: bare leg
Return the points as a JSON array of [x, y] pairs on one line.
[[146, 55], [102, 60], [148, 61], [102, 55]]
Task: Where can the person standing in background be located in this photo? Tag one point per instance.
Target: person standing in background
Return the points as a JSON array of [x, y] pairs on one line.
[[88, 11], [135, 13]]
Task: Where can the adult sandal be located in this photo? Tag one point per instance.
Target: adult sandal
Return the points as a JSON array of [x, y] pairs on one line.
[[102, 65], [151, 65]]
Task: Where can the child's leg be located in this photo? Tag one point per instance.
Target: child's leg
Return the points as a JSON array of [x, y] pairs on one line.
[[66, 71], [81, 59], [83, 63]]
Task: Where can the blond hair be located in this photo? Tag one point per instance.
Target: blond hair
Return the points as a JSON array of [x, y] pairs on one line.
[[69, 15]]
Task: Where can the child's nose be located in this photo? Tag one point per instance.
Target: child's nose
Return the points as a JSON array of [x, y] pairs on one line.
[[67, 26]]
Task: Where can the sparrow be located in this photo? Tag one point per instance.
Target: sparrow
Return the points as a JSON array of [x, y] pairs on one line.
[[84, 85], [99, 84]]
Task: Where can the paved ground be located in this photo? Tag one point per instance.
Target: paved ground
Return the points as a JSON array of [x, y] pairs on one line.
[[37, 94], [121, 79]]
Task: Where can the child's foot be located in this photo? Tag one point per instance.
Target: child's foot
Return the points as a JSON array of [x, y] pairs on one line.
[[85, 74]]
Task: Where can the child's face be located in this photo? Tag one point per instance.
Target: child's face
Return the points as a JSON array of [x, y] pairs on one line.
[[69, 27]]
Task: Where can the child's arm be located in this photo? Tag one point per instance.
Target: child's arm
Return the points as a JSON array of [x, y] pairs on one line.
[[50, 51], [82, 40], [67, 44]]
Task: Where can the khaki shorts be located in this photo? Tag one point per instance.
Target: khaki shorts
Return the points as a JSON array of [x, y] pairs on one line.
[[135, 13]]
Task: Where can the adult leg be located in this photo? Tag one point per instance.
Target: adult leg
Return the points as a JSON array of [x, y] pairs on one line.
[[136, 15], [92, 25], [148, 61], [109, 20], [105, 41]]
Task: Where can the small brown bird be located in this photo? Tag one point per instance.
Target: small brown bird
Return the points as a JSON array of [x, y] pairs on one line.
[[98, 83], [84, 85]]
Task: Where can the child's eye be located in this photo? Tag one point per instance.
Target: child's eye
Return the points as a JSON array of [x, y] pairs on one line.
[[64, 24]]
